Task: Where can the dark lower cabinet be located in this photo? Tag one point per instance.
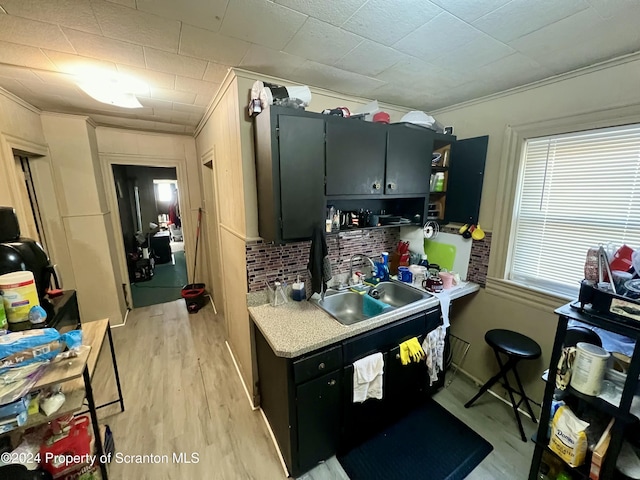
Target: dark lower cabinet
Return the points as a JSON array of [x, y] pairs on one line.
[[318, 415], [362, 420], [308, 400]]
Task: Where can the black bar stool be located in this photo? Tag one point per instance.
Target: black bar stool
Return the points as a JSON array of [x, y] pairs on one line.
[[516, 347]]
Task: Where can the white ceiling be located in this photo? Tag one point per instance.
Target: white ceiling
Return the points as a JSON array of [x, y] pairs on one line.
[[414, 53]]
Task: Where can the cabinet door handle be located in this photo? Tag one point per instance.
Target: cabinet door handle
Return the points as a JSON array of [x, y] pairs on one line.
[[376, 186], [391, 186], [397, 356], [331, 382], [321, 366]]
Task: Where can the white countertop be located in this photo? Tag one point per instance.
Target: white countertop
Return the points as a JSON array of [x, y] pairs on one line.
[[296, 328]]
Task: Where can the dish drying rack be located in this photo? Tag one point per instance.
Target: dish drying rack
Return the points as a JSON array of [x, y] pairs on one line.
[[458, 354]]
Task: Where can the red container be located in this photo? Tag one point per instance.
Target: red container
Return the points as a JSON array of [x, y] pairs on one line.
[[57, 457], [194, 296], [622, 259]]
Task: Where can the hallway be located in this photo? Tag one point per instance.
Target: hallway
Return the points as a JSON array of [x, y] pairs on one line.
[[167, 282]]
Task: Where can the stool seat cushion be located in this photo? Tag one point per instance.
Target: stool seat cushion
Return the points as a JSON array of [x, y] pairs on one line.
[[513, 344]]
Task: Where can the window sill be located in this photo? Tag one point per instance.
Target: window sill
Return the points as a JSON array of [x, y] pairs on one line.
[[530, 296]]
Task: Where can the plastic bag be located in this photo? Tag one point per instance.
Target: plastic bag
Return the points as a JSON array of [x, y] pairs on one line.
[[17, 381], [22, 348], [17, 341]]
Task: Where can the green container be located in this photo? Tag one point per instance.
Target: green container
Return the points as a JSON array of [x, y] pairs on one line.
[[3, 315]]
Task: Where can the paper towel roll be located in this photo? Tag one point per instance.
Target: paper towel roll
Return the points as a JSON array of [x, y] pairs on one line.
[[415, 236]]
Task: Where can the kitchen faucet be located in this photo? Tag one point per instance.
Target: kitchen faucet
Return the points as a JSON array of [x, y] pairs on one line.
[[356, 255]]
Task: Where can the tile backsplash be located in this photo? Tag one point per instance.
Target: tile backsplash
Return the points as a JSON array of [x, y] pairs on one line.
[[479, 261], [267, 262]]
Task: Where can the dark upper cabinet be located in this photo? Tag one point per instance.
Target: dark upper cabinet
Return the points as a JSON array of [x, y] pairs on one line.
[[408, 165], [355, 160], [464, 185], [290, 173], [301, 141]]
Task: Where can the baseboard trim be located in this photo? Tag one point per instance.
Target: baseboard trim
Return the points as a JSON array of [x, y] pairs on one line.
[[233, 359], [124, 323], [215, 310], [275, 443]]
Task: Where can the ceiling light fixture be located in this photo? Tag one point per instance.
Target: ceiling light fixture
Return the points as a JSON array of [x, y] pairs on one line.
[[112, 88]]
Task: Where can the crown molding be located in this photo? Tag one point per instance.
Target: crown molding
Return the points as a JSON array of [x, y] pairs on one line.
[[224, 86], [159, 133], [14, 98], [251, 75], [631, 57], [86, 118], [234, 73]]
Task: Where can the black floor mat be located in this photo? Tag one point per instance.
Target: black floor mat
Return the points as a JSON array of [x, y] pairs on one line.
[[429, 443]]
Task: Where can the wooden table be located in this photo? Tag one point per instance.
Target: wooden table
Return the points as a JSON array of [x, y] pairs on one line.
[[93, 334]]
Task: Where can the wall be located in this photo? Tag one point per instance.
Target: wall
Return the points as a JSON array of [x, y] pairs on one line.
[[218, 142], [586, 91], [126, 207], [21, 128], [87, 220]]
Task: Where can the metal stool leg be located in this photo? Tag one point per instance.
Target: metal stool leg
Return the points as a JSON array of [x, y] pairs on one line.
[[524, 395], [511, 365], [486, 386]]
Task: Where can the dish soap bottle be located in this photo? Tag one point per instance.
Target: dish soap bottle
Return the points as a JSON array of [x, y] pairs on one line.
[[384, 267], [423, 261]]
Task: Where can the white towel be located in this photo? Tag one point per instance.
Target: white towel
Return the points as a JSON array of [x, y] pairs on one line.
[[433, 346], [445, 305], [367, 377]]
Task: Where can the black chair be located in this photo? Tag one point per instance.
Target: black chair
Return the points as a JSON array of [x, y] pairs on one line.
[[515, 347], [578, 334]]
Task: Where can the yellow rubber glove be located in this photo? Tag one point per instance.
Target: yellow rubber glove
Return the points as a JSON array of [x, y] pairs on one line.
[[404, 353], [415, 349], [409, 347]]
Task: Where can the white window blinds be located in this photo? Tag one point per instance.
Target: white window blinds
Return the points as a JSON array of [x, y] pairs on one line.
[[576, 191]]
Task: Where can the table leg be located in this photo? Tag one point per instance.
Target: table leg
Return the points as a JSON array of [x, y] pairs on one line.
[[94, 422], [115, 368]]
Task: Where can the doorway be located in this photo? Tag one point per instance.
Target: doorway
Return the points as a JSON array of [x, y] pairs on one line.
[[150, 218], [34, 225]]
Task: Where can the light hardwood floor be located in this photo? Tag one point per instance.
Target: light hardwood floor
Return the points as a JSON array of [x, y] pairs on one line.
[[182, 395]]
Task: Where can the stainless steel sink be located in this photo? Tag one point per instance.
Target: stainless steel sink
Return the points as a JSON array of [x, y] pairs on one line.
[[398, 295], [347, 306]]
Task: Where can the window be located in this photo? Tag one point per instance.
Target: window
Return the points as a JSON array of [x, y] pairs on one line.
[[575, 191], [164, 192]]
